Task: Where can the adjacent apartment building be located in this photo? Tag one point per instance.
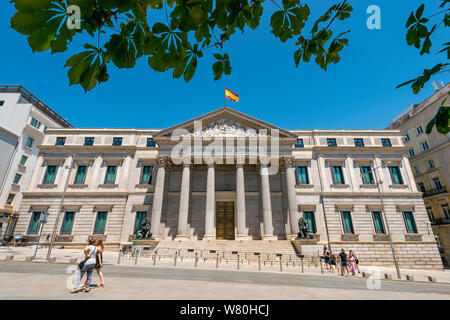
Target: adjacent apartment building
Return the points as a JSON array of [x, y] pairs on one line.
[[23, 122], [221, 188], [429, 156]]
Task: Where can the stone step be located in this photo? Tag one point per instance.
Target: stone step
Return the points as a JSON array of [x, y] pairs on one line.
[[284, 246]]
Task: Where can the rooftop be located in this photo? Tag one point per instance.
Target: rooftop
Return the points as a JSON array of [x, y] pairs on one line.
[[31, 98]]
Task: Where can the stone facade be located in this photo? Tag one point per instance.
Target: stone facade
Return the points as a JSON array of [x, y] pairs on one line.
[[268, 193], [429, 156]]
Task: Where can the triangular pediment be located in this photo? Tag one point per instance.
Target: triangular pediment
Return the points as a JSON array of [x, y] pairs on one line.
[[224, 122]]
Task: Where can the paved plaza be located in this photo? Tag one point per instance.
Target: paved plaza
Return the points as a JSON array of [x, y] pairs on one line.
[[41, 280]]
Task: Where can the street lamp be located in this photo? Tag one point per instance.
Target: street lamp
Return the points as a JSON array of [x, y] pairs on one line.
[[50, 246], [379, 182]]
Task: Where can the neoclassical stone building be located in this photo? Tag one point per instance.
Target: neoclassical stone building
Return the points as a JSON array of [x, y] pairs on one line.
[[228, 176]]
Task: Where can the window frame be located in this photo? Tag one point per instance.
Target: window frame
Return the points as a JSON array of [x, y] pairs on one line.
[[419, 130], [76, 174], [404, 214], [136, 220], [331, 142], [351, 222], [423, 144], [15, 178], [297, 176], [411, 152], [368, 174], [62, 229], [313, 215], [391, 171], [35, 123], [341, 172], [31, 140], [383, 227], [86, 139], [46, 174], [96, 231], [34, 223], [117, 139], [360, 140], [386, 142], [24, 162], [11, 196], [151, 143], [141, 178], [58, 141], [106, 175], [298, 144]]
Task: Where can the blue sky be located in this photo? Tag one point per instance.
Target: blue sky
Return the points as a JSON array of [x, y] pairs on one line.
[[357, 93]]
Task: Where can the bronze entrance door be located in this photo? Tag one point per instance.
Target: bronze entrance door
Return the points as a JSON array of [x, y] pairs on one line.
[[225, 220]]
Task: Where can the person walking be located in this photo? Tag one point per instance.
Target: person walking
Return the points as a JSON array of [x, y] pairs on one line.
[[326, 258], [90, 252], [352, 263], [99, 263], [332, 261], [343, 259], [357, 262]]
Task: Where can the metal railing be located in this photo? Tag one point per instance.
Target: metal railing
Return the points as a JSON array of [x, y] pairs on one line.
[[220, 257], [432, 192]]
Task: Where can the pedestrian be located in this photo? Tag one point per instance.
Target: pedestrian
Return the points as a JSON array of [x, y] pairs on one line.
[[332, 261], [352, 263], [343, 259], [17, 240], [99, 262], [357, 262], [90, 252], [326, 258]]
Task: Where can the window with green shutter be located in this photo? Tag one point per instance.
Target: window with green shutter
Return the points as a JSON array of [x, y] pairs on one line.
[[50, 175], [146, 175], [33, 227], [100, 222], [81, 175], [302, 175], [110, 177], [409, 222], [378, 222], [67, 224], [310, 221], [338, 175], [396, 176], [366, 174], [140, 217], [347, 222]]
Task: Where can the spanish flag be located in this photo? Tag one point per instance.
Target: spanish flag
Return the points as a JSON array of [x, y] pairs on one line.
[[230, 95]]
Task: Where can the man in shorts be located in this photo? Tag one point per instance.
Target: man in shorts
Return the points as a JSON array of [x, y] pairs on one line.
[[344, 261]]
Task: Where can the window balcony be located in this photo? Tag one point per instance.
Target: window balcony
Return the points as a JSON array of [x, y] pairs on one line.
[[440, 221], [432, 192]]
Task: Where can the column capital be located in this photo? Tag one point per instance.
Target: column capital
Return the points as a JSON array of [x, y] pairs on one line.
[[240, 161], [288, 162], [264, 160], [162, 161], [186, 162], [210, 161]]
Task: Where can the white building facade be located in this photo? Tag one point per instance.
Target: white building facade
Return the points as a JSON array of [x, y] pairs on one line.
[[23, 122], [206, 179]]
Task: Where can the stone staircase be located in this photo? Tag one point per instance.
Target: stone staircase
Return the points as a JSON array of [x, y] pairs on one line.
[[279, 246]]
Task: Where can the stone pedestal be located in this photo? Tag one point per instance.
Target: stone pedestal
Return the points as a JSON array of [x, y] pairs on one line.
[[147, 243], [307, 247]]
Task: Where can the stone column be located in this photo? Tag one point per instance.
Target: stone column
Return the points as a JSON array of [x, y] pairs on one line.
[[409, 174], [292, 198], [210, 201], [240, 200], [93, 181], [37, 171], [123, 183], [184, 200], [266, 203], [158, 196], [351, 173]]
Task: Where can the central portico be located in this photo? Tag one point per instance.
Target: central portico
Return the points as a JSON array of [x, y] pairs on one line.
[[246, 155]]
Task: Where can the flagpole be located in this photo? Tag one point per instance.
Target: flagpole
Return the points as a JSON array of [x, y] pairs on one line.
[[224, 97]]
